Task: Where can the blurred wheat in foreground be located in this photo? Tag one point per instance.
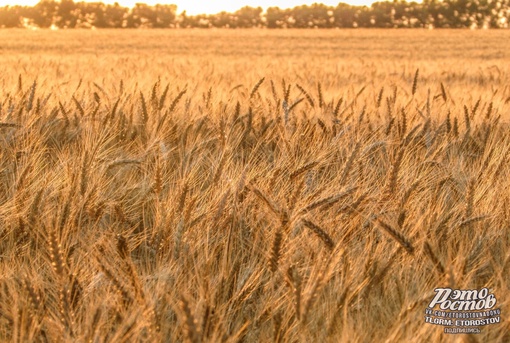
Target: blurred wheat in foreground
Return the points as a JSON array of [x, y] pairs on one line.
[[280, 210]]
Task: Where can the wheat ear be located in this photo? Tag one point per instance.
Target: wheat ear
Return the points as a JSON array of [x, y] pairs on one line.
[[275, 251], [294, 282], [415, 81], [192, 329], [397, 236], [319, 232], [433, 258]]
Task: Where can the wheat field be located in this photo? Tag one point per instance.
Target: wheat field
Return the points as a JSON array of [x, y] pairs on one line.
[[250, 186]]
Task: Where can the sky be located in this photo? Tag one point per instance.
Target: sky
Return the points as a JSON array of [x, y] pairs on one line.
[[208, 7]]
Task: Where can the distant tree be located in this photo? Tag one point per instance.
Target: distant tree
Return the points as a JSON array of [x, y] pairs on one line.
[[142, 15], [116, 15], [363, 17], [96, 14], [275, 18], [186, 21], [10, 16], [248, 17], [382, 14], [165, 16], [64, 14], [396, 13], [222, 20], [45, 13], [315, 15], [344, 15]]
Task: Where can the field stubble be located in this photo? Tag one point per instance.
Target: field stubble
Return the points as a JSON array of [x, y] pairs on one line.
[[250, 185]]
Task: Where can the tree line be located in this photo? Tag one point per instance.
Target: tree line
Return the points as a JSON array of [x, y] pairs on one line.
[[395, 14]]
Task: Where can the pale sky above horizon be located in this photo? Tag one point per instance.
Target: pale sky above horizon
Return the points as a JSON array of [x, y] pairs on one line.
[[193, 7]]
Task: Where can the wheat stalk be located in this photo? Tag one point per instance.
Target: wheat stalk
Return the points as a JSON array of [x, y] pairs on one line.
[[470, 194], [467, 121], [321, 98], [327, 201], [433, 258], [303, 169], [337, 107], [350, 163], [118, 283], [56, 254], [415, 82], [294, 282], [31, 97], [84, 173], [396, 235], [270, 205], [275, 251], [319, 232], [145, 113], [308, 97], [192, 330], [379, 98], [443, 93], [392, 180], [256, 87]]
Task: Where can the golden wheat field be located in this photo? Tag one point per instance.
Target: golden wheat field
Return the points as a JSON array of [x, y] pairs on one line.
[[251, 186]]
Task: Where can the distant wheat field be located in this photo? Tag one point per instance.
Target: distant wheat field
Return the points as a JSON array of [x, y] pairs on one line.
[[251, 185]]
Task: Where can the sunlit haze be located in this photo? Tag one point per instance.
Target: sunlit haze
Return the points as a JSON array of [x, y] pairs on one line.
[[201, 7]]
